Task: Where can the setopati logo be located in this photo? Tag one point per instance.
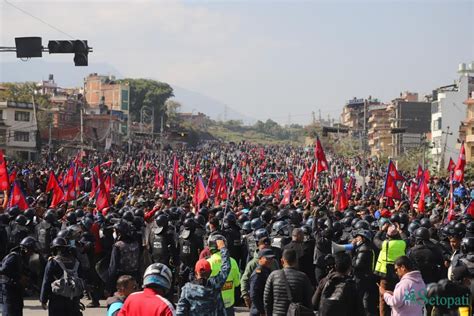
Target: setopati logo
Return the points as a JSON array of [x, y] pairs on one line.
[[421, 298]]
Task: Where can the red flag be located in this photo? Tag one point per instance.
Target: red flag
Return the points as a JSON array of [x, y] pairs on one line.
[[470, 209], [412, 190], [4, 186], [108, 184], [12, 176], [53, 185], [17, 198], [340, 195], [350, 186], [451, 165], [286, 196], [200, 194], [459, 168], [320, 156], [69, 183], [221, 191], [419, 173], [237, 183], [106, 164], [177, 178], [392, 170], [78, 159], [272, 188], [102, 200], [424, 189], [391, 189], [93, 185], [291, 179]]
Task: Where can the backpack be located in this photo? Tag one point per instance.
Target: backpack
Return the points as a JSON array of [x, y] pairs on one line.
[[335, 294], [69, 285]]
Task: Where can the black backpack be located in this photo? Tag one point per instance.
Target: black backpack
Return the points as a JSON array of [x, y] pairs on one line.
[[335, 295]]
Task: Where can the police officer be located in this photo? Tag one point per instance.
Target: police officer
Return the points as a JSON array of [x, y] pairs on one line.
[[363, 265], [249, 244], [4, 231], [62, 260], [19, 230], [258, 280], [163, 243], [427, 257], [14, 277], [46, 231], [232, 234], [124, 257], [189, 246]]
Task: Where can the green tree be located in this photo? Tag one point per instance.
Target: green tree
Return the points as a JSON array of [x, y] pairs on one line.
[[151, 93]]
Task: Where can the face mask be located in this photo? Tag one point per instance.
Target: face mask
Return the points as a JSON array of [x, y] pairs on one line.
[[114, 235]]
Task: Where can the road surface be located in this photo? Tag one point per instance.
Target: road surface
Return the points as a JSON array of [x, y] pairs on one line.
[[33, 308]]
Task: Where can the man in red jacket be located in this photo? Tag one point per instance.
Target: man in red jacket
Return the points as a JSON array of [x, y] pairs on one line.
[[151, 301]]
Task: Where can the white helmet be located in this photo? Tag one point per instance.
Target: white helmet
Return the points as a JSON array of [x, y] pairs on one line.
[[159, 274]]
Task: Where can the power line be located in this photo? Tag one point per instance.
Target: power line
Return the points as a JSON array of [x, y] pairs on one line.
[[37, 18]]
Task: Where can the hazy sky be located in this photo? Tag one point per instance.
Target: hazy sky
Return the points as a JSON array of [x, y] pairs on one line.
[[265, 58]]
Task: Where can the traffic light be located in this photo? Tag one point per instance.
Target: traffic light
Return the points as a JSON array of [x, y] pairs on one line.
[[77, 47], [81, 50], [61, 47]]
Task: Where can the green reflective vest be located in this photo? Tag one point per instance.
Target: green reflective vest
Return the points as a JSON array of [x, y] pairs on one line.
[[233, 280], [391, 250]]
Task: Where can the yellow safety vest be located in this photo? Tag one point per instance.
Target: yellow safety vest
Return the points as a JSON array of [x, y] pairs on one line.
[[391, 250], [233, 279]]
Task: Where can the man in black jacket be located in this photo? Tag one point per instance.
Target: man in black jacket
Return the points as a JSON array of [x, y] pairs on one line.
[[363, 263], [275, 296], [335, 293]]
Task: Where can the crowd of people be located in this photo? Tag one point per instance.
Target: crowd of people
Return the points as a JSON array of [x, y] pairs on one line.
[[277, 229]]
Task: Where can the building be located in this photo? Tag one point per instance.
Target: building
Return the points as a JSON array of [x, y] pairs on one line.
[[199, 120], [355, 115], [47, 86], [100, 91], [378, 134], [469, 129], [18, 130], [447, 113], [409, 122]]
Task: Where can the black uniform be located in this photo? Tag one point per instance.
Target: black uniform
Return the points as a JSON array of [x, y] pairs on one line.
[[234, 241], [45, 233], [429, 261], [257, 288], [59, 305], [163, 247], [189, 246], [13, 279], [123, 260], [365, 280]]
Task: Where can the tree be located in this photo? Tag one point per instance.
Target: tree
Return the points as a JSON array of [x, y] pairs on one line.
[[172, 109], [151, 93]]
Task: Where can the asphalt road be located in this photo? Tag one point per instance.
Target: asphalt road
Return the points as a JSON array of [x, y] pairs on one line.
[[33, 308]]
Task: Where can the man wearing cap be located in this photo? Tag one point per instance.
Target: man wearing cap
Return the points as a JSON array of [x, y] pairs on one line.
[[257, 281], [391, 249], [203, 295], [263, 243], [233, 279]]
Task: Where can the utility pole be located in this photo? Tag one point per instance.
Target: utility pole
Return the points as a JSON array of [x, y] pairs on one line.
[[82, 129], [443, 153], [364, 171], [161, 133]]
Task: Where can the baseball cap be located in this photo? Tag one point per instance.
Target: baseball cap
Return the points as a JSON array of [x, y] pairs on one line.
[[267, 253], [202, 266]]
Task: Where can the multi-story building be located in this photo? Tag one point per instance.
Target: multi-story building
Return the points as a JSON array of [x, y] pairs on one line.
[[469, 129], [409, 122], [105, 90], [447, 113], [18, 130], [378, 135], [355, 114]]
